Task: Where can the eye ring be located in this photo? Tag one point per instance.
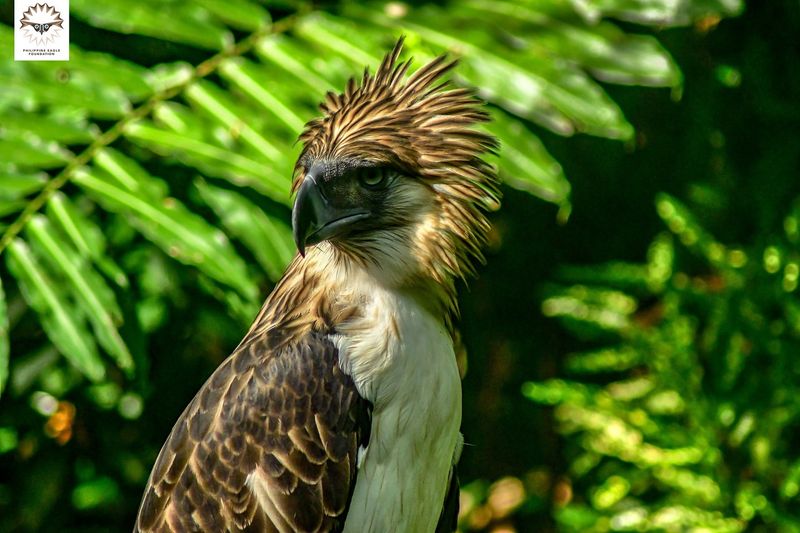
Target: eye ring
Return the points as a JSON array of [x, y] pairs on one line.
[[374, 178]]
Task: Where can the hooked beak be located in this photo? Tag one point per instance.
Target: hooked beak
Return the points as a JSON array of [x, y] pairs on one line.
[[315, 219]]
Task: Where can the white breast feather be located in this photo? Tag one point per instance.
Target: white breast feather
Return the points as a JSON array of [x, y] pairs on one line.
[[401, 359]]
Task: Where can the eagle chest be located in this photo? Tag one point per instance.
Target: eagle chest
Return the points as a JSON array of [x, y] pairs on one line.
[[401, 359]]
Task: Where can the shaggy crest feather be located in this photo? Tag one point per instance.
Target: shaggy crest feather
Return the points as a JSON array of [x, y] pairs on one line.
[[425, 130]]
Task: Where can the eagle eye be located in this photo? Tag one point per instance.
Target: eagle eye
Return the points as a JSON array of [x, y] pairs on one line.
[[374, 178]]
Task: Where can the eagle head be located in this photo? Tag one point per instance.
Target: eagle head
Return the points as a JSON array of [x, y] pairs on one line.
[[392, 175]]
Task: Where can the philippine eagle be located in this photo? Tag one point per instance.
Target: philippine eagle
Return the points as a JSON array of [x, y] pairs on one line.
[[340, 410]]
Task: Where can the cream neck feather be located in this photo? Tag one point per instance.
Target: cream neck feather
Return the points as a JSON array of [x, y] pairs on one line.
[[401, 359]]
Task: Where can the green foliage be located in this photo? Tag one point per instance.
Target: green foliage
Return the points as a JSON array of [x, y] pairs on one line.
[[239, 130], [669, 429], [144, 194]]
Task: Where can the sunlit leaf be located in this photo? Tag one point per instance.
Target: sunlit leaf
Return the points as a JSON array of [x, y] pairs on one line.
[[214, 160], [683, 224], [557, 391], [180, 233], [217, 103], [342, 37], [182, 119], [605, 50], [128, 174], [604, 360], [660, 12], [318, 73], [247, 77], [525, 163], [241, 14], [602, 308], [87, 287], [529, 85], [85, 235], [168, 76]]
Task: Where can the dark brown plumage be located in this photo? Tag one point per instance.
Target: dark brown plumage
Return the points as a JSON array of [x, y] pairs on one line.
[[271, 441], [294, 414]]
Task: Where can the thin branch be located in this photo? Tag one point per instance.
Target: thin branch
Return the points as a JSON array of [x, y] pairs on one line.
[[112, 134]]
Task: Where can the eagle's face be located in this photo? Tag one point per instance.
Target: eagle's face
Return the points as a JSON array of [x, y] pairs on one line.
[[366, 207], [392, 176], [370, 212]]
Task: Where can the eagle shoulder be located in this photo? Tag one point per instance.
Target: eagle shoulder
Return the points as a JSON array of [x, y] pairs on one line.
[[269, 443]]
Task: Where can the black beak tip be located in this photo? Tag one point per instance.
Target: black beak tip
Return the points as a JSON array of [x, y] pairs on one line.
[[300, 217], [298, 233]]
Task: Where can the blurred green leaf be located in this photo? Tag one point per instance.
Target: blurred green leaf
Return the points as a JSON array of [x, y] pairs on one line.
[[604, 360], [172, 21], [26, 151], [4, 342], [691, 234], [214, 160], [127, 173], [602, 48], [602, 308], [524, 162], [179, 232], [94, 493], [656, 12], [526, 84], [342, 37], [100, 70], [84, 235], [318, 73], [253, 82], [268, 238], [91, 83], [241, 14], [16, 185], [8, 439], [10, 207], [216, 103], [88, 288], [61, 322], [64, 128]]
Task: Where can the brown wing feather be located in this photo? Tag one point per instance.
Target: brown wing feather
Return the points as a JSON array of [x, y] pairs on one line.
[[282, 413]]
